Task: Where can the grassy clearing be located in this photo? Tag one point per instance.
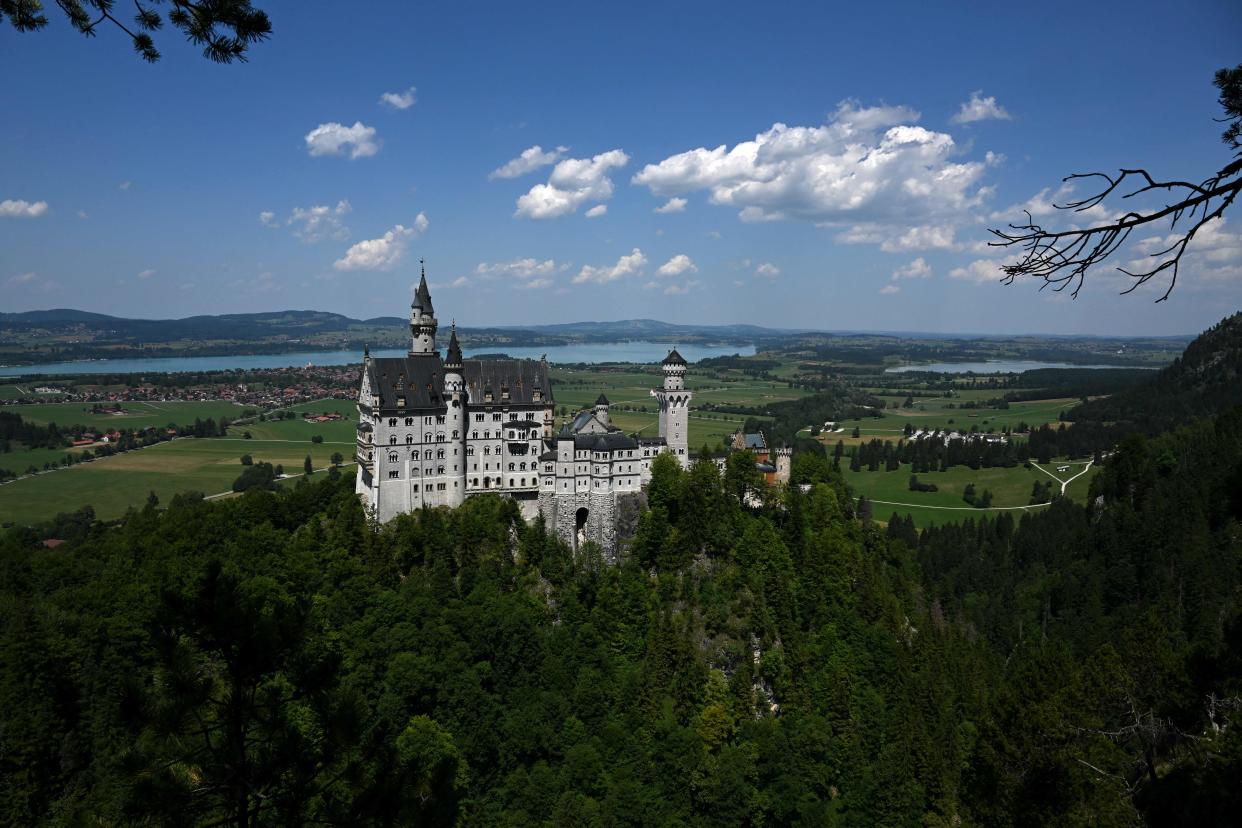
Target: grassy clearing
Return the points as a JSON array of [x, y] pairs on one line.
[[1010, 487], [113, 484]]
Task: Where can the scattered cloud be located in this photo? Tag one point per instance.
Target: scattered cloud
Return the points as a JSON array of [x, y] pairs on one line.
[[319, 222], [980, 270], [917, 269], [336, 139], [264, 282], [1214, 255], [21, 279], [268, 219], [597, 211], [682, 288], [626, 266], [399, 100], [530, 160], [459, 282], [528, 268], [979, 108], [534, 284], [679, 264], [18, 208], [573, 182], [187, 286], [125, 185], [382, 253], [82, 214], [673, 205], [889, 290], [767, 270], [869, 168], [146, 274]]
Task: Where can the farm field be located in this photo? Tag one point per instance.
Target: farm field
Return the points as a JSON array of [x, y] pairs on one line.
[[1010, 487], [933, 415], [113, 484], [137, 414]]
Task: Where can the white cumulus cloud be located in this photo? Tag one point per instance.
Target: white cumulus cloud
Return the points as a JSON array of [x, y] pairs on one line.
[[319, 222], [268, 219], [917, 269], [18, 208], [573, 182], [146, 274], [597, 211], [767, 270], [399, 100], [679, 264], [980, 270], [626, 266], [332, 138], [382, 253], [864, 166], [673, 205], [889, 290], [529, 160], [979, 108]]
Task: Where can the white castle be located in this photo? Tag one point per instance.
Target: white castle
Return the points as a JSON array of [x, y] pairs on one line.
[[433, 431]]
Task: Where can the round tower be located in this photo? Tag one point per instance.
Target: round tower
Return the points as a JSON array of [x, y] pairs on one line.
[[674, 400], [601, 410], [422, 320], [455, 421]]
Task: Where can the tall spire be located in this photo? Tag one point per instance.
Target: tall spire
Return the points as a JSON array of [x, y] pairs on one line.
[[422, 298], [453, 358]]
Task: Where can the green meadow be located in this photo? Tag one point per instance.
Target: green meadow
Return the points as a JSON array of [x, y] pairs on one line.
[[1010, 487]]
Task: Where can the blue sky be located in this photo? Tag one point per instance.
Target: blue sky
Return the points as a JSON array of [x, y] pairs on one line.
[[864, 150]]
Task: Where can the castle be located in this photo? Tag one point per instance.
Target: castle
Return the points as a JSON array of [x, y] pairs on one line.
[[433, 431]]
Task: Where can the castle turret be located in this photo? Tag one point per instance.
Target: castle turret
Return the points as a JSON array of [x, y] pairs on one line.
[[422, 321], [674, 400], [601, 410], [455, 399], [784, 464]]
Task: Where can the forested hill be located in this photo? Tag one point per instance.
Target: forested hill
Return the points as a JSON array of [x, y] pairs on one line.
[[1205, 380], [274, 659]]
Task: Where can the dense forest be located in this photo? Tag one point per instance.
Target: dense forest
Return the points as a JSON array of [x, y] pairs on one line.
[[277, 659]]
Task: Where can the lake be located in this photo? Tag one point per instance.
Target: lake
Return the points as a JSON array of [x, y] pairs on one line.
[[993, 367], [632, 351]]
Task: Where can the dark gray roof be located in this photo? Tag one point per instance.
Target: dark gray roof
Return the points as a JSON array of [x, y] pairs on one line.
[[602, 400], [419, 379], [523, 424], [365, 427], [612, 441], [755, 441], [521, 377], [674, 358], [765, 467], [581, 419], [548, 455]]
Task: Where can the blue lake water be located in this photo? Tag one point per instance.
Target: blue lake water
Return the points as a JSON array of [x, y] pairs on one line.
[[996, 367], [633, 351]]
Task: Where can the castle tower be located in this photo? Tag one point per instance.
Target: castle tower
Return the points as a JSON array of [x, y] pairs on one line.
[[455, 418], [422, 321], [784, 464], [674, 400], [601, 409]]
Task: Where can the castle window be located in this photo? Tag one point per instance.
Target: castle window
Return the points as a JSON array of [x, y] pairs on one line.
[[511, 466], [439, 469], [392, 475], [440, 454], [455, 434], [487, 449], [478, 418], [427, 437], [474, 435], [426, 421], [440, 419], [470, 451], [415, 487], [409, 439], [392, 421], [439, 438], [547, 467], [393, 458], [392, 439], [440, 487], [414, 455], [495, 418], [521, 466], [427, 454], [409, 421]]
